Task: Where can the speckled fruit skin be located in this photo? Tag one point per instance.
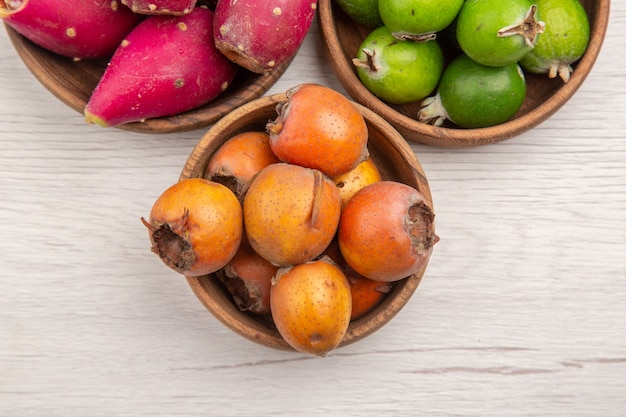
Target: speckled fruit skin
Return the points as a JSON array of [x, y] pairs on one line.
[[364, 174], [239, 159], [415, 17], [261, 35], [319, 128], [477, 28], [493, 94], [564, 41], [205, 214], [248, 277], [386, 232], [398, 71], [311, 306], [161, 7], [76, 29], [291, 213], [167, 65], [473, 95]]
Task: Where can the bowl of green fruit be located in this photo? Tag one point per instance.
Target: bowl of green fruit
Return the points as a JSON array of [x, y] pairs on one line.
[[463, 73]]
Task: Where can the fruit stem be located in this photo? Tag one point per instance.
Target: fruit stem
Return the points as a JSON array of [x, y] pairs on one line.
[[368, 63], [150, 227], [432, 111], [414, 37], [529, 28], [318, 194], [562, 70], [274, 127]]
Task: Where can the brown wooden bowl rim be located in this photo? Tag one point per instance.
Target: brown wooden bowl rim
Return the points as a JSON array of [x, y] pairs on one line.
[[416, 131], [249, 326]]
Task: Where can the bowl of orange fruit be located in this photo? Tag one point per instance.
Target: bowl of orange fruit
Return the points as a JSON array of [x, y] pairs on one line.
[[327, 229]]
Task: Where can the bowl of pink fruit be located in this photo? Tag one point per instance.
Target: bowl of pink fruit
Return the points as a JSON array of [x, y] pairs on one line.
[[155, 67]]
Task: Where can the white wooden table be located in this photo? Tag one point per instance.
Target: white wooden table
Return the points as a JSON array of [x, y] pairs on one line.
[[522, 311]]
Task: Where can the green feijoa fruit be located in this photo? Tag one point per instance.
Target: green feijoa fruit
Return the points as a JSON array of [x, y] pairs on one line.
[[362, 11], [498, 32], [564, 41], [472, 95], [418, 19], [398, 71]]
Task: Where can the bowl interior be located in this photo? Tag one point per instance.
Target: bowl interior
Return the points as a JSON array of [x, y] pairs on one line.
[[73, 81], [342, 38], [395, 160]]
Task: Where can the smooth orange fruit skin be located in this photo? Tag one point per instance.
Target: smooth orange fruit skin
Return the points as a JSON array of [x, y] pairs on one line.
[[206, 214], [376, 237], [366, 293], [291, 213], [319, 128], [311, 306], [363, 174], [240, 158]]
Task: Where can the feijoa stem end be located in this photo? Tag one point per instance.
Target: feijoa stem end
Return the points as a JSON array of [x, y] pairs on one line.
[[529, 28], [432, 111], [368, 63]]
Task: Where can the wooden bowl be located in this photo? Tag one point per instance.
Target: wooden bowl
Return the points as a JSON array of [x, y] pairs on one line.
[[73, 81], [394, 158], [342, 38]]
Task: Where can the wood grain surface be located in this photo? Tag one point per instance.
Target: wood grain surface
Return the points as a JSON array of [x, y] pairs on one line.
[[522, 311]]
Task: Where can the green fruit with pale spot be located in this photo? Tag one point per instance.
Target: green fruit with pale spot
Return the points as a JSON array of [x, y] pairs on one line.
[[564, 41]]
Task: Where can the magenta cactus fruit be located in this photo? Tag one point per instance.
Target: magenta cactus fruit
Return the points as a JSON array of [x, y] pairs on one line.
[[260, 35], [77, 29], [161, 7], [167, 65]]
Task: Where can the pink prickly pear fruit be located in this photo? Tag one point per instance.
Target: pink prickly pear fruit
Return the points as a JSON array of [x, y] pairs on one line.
[[164, 7], [260, 35], [77, 29], [167, 65]]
